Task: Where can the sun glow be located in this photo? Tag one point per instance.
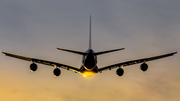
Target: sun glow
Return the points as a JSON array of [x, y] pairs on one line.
[[88, 73]]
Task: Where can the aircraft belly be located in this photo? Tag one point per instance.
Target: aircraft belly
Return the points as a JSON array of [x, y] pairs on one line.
[[83, 69], [88, 73]]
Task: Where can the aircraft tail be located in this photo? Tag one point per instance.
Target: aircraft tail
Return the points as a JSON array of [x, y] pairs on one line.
[[83, 53], [90, 33]]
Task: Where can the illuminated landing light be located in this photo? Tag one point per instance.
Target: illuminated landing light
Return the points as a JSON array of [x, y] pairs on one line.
[[88, 73]]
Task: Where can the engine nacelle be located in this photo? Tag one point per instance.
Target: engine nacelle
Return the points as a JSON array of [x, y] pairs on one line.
[[144, 67], [33, 67], [119, 72], [57, 72]]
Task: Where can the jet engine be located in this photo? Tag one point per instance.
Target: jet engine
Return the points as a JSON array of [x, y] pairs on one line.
[[144, 67], [119, 72], [33, 67], [57, 71]]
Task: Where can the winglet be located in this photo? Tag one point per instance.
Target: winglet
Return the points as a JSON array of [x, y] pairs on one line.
[[3, 53], [175, 52]]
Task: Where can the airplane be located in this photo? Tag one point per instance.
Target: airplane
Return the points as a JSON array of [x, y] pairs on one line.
[[89, 61]]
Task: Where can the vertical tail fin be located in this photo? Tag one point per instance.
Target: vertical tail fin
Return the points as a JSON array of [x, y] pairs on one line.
[[90, 33]]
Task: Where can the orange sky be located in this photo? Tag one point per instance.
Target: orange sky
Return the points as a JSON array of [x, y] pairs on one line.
[[37, 28]]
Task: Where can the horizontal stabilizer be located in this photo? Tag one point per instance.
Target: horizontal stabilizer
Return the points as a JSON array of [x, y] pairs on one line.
[[72, 51], [103, 52]]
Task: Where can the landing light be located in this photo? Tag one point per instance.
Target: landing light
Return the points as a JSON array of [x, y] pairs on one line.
[[88, 73]]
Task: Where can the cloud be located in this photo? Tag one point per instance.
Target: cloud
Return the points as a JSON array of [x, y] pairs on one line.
[[145, 28]]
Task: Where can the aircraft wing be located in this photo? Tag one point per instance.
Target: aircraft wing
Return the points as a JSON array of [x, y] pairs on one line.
[[135, 62], [42, 62]]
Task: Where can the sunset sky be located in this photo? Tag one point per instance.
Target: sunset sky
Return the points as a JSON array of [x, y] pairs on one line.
[[35, 28]]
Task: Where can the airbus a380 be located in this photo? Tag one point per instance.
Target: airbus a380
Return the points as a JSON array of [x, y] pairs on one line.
[[89, 61]]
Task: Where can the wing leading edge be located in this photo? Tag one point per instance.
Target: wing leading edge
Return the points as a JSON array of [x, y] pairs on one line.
[[135, 62], [127, 63], [42, 62]]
